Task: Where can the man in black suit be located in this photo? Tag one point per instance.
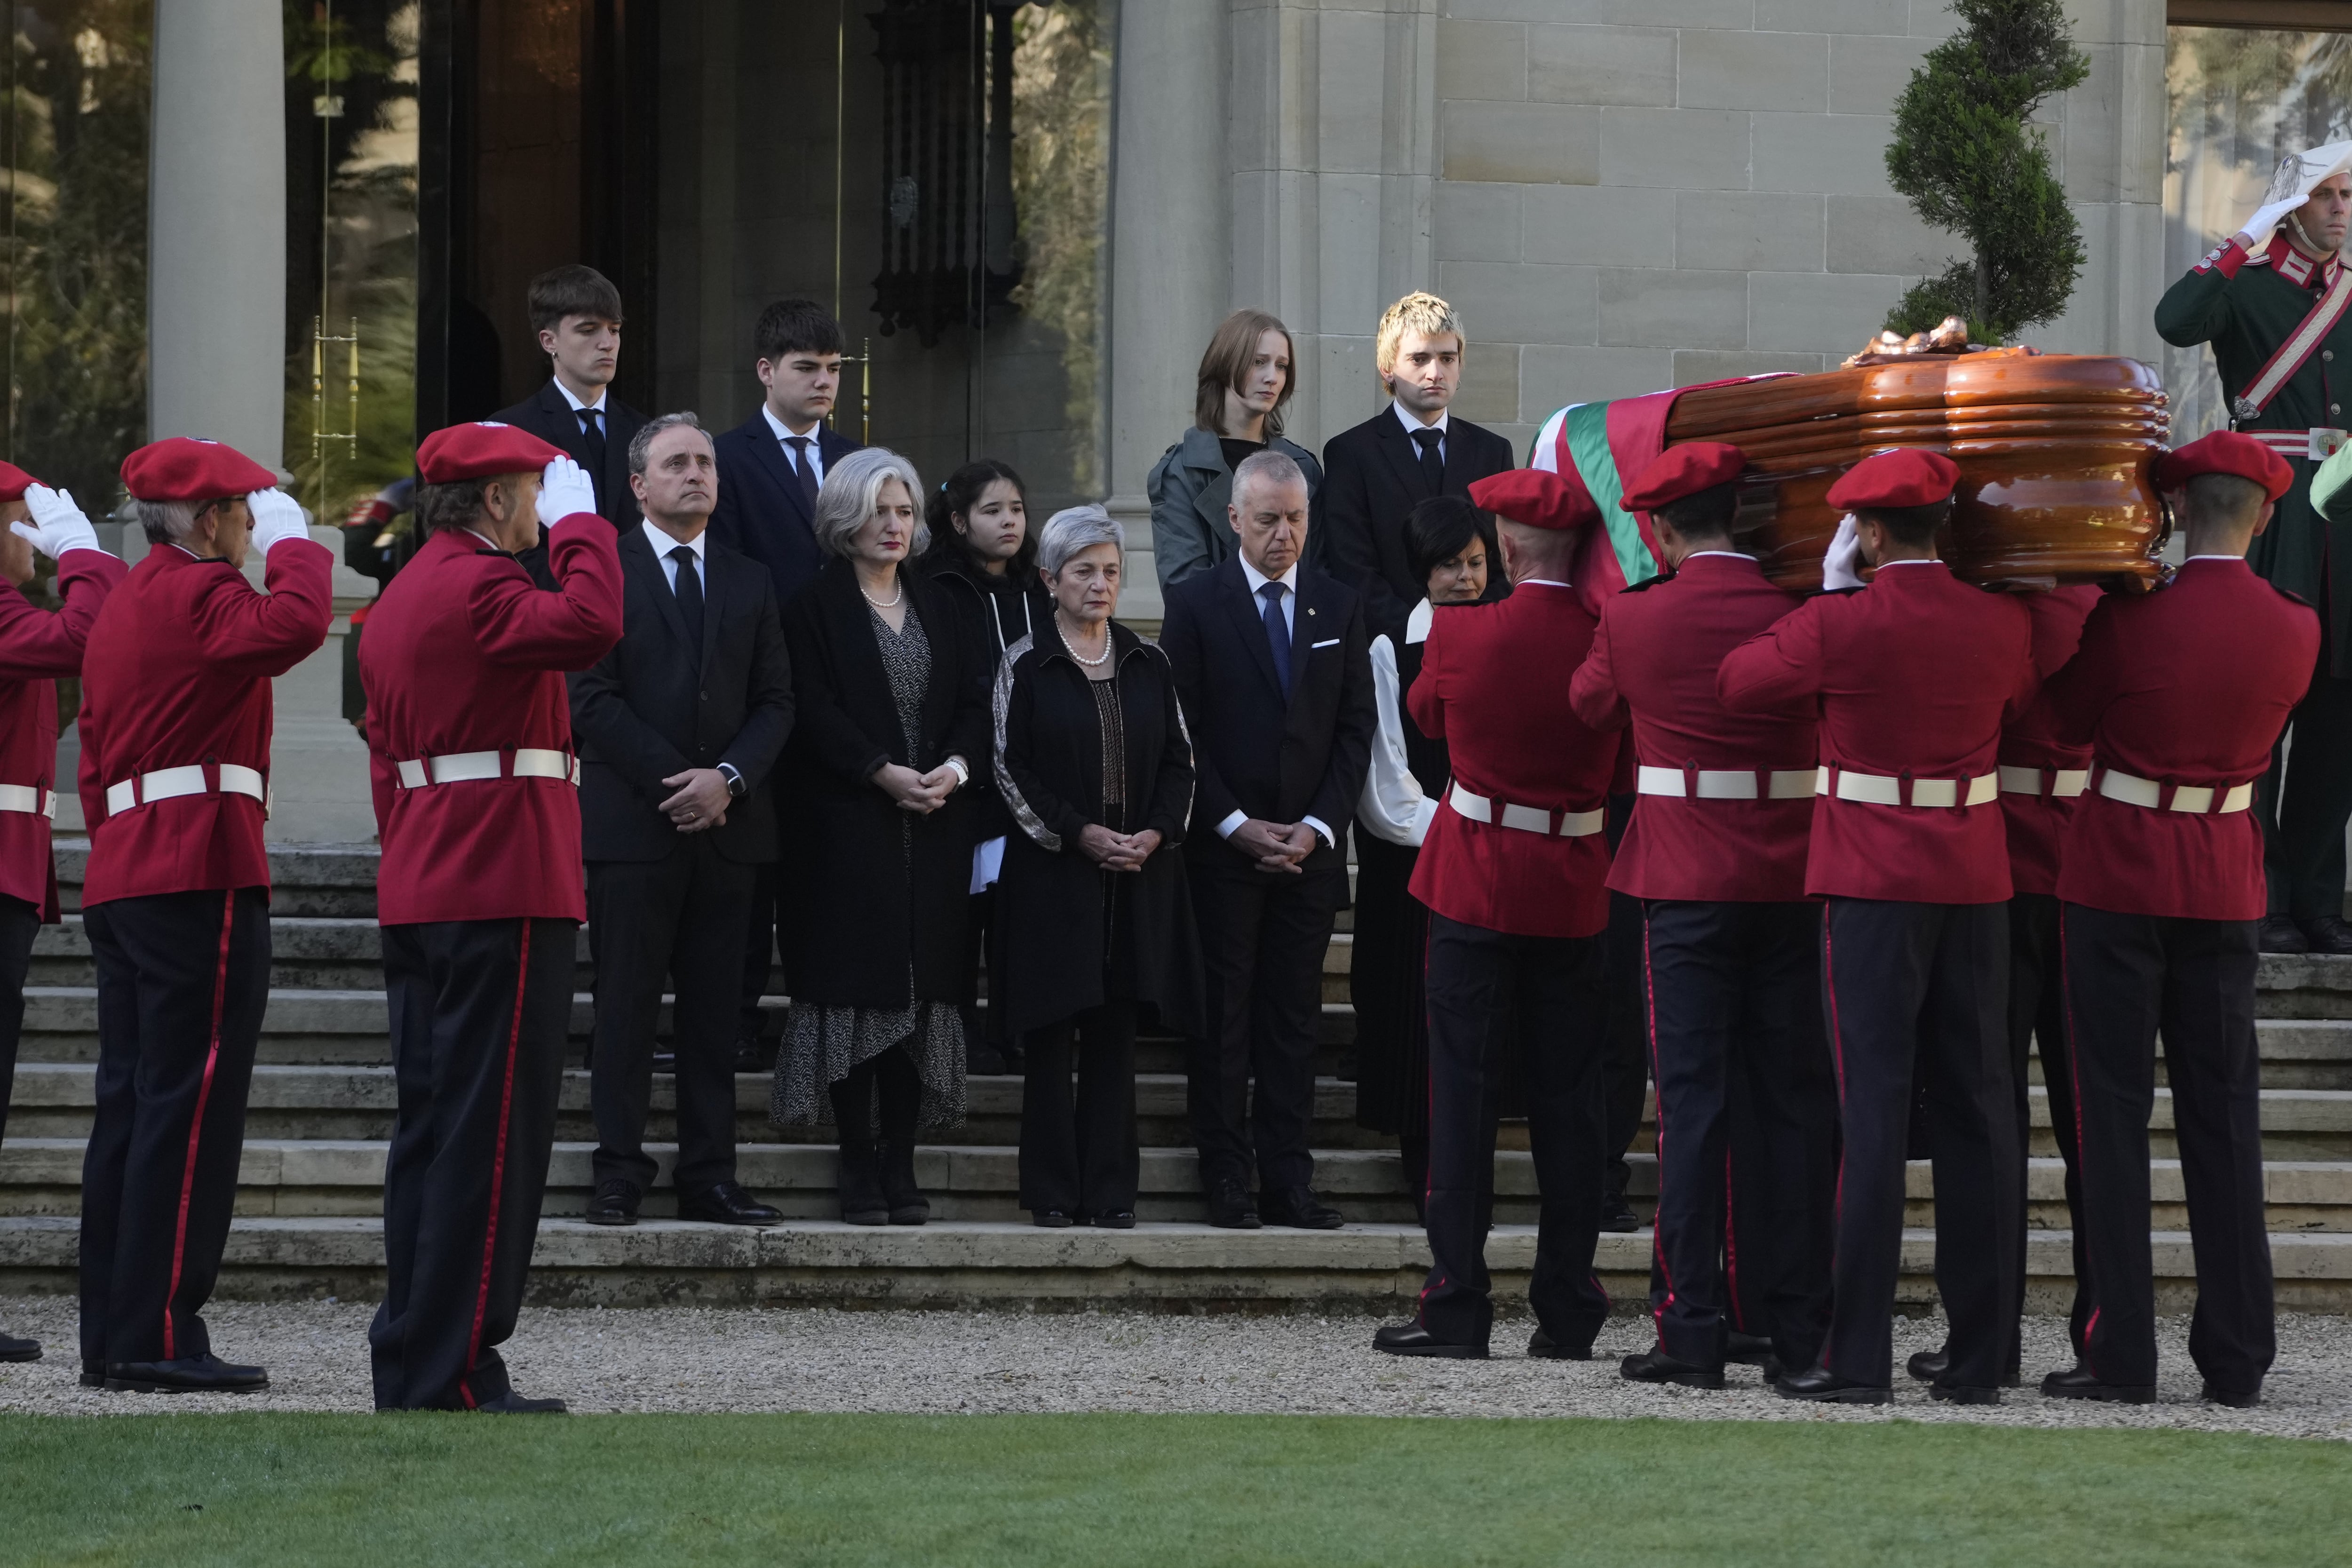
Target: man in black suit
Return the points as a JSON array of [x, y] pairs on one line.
[[576, 313], [769, 469], [1273, 664], [678, 728], [1413, 449]]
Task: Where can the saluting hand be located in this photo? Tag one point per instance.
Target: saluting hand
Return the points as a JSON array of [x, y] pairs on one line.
[[58, 524], [1838, 566], [277, 518]]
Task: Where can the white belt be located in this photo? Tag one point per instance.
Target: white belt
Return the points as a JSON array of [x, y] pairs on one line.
[[165, 783], [2315, 445], [1881, 789], [529, 763], [2065, 784], [29, 799], [1726, 784], [2197, 800], [1525, 819]]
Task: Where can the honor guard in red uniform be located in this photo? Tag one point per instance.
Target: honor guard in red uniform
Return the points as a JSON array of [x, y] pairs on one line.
[[175, 723], [1513, 872], [1730, 947], [2181, 695], [1913, 677], [35, 648], [480, 892]]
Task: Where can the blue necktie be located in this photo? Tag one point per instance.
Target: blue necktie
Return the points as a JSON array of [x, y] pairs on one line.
[[1277, 634]]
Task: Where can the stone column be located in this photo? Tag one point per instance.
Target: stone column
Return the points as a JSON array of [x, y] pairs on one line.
[[216, 348]]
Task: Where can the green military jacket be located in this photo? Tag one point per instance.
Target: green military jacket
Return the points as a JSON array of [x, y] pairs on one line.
[[2245, 306]]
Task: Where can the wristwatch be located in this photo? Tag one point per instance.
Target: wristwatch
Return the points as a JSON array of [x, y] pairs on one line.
[[737, 786]]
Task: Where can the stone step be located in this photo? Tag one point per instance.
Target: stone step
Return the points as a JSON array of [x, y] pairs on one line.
[[1367, 1268], [306, 954]]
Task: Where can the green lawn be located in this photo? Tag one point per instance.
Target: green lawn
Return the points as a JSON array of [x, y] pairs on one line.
[[1181, 1490]]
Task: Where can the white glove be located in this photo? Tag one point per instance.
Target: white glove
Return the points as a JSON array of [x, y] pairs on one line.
[[2259, 227], [277, 517], [58, 524], [564, 491], [1838, 566]]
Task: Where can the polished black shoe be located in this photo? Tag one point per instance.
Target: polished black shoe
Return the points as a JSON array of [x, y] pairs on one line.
[[189, 1374], [13, 1349], [1294, 1208], [1411, 1339], [860, 1183], [1617, 1215], [1825, 1388], [1928, 1365], [908, 1205], [93, 1374], [2076, 1383], [982, 1059], [1953, 1393], [1051, 1219], [2235, 1399], [753, 1054], [1541, 1347], [1231, 1208], [1657, 1366], [2280, 934], [726, 1203], [616, 1203], [1749, 1349], [1770, 1371], [513, 1404], [1118, 1219], [2328, 934]]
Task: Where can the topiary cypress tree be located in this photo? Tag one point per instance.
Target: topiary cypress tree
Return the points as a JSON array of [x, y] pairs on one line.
[[1966, 157]]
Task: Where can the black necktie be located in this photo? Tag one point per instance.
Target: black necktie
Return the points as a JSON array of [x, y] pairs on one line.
[[800, 445], [690, 599], [592, 437], [1433, 463]]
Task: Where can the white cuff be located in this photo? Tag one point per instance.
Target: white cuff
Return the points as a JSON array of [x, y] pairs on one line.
[[962, 769], [1232, 820], [1317, 823]]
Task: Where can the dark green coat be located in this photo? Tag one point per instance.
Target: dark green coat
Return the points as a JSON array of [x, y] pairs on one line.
[[2245, 318]]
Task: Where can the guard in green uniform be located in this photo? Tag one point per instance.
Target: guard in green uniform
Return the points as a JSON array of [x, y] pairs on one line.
[[2273, 301]]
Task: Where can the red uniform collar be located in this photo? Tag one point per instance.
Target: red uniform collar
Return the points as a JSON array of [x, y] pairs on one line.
[[2290, 262]]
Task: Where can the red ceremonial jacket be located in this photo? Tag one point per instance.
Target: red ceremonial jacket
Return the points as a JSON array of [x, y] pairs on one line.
[[35, 648], [1490, 688], [1915, 676], [464, 653], [177, 673], [1653, 664], [2037, 822], [2190, 685]]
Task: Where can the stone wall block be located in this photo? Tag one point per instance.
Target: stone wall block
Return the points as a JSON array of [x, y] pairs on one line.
[[1822, 312], [1739, 14], [1735, 229], [1598, 225], [1693, 366], [1521, 302], [1481, 60], [2093, 130], [1844, 154], [1679, 149], [1348, 251], [1552, 377], [1755, 71], [1490, 383], [1554, 143], [1481, 222], [1652, 307], [1868, 74], [1882, 234], [1632, 66], [1933, 19], [1347, 128], [1880, 17]]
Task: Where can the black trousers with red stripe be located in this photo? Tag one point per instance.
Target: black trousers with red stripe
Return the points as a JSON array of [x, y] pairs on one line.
[[20, 923], [1493, 998], [183, 980], [479, 1013], [1922, 988], [1732, 1003], [2132, 980]]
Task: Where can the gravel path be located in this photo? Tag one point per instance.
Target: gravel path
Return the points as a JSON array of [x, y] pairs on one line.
[[745, 1358]]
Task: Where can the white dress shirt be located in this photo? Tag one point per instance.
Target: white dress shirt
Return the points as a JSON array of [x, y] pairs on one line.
[[813, 451], [603, 422], [1412, 422], [1289, 603], [663, 544]]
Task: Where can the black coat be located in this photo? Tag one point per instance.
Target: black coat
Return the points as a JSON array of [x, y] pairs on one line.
[[854, 910], [1372, 481], [1050, 896], [994, 614], [761, 510], [1255, 753], [547, 416], [651, 707]]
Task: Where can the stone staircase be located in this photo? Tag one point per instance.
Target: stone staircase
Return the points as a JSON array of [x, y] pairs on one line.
[[310, 1181]]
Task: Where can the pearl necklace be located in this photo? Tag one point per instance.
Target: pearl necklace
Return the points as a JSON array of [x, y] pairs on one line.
[[1095, 663], [890, 604]]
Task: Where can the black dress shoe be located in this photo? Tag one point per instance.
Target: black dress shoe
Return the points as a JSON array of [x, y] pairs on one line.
[[1657, 1366], [1617, 1215], [1825, 1388], [2230, 1397], [93, 1374], [1928, 1365], [1770, 1371], [513, 1404], [2076, 1383], [1051, 1219], [982, 1059], [755, 1055], [1541, 1347], [726, 1203], [2328, 934], [1294, 1208], [1229, 1208], [1749, 1349], [1118, 1219], [908, 1205], [616, 1203], [1411, 1339], [188, 1375], [860, 1184], [1957, 1394], [13, 1349], [2280, 934]]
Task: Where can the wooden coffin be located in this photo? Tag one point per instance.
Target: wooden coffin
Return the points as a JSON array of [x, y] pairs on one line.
[[2056, 451]]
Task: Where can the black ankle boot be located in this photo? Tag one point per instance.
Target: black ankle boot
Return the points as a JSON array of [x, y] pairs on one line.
[[908, 1206], [860, 1181]]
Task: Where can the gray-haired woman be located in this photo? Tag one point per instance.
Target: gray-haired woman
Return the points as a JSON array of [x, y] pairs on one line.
[[890, 724], [1094, 762]]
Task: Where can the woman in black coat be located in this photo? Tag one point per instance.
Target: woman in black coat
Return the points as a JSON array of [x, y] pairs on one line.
[[1096, 771], [890, 726], [983, 556]]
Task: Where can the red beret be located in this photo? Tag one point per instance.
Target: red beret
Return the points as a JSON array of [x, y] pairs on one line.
[[2226, 452], [1905, 477], [13, 481], [482, 451], [186, 468], [1683, 470], [1538, 499]]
